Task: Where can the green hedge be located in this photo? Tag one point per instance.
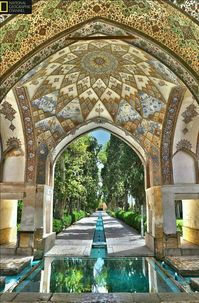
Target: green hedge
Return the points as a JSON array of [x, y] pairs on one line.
[[110, 213], [67, 220], [131, 218], [57, 225], [77, 215]]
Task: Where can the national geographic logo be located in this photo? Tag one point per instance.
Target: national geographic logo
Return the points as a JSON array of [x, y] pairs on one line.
[[16, 7]]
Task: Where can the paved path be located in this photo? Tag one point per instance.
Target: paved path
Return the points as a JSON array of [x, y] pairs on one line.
[[76, 240], [122, 240]]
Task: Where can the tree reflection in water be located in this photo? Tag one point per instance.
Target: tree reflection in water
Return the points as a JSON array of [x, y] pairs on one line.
[[71, 275], [98, 275]]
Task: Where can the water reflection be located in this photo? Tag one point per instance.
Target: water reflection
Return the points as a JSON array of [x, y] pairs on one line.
[[103, 276], [97, 275], [100, 277]]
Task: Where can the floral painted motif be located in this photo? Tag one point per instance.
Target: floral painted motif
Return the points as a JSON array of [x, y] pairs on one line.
[[13, 143], [154, 18], [189, 113], [8, 111], [183, 144], [150, 105]]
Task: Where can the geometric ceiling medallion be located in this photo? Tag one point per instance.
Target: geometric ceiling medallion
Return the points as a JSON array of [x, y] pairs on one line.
[[110, 79]]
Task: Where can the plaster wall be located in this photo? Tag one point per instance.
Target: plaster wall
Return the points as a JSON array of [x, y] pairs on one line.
[[189, 134], [13, 169], [191, 220], [184, 168], [14, 160], [8, 221]]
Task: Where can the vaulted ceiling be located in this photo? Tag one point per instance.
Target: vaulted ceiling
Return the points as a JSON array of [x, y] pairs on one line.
[[108, 79], [69, 63]]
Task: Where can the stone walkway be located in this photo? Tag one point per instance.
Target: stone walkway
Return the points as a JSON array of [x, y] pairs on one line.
[[12, 265], [122, 240], [185, 265], [76, 240], [100, 298]]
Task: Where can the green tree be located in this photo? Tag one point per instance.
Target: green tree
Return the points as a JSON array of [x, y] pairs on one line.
[[122, 174], [76, 177]]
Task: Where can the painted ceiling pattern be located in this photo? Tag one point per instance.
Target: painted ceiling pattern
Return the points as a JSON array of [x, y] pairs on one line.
[[157, 19], [89, 80], [102, 28], [187, 128], [191, 7]]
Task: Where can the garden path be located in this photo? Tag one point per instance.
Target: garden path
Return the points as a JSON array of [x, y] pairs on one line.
[[121, 239]]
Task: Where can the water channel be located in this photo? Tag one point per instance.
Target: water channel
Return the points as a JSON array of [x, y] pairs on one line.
[[98, 273]]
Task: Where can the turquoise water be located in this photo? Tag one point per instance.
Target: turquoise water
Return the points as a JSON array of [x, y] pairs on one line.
[[99, 236], [12, 280], [99, 249], [183, 281], [79, 275], [98, 252], [107, 275], [100, 274]]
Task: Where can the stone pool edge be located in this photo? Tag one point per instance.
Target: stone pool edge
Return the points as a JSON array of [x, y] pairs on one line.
[[99, 298]]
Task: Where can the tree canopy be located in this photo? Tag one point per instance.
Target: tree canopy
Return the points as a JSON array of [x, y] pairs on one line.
[[122, 174], [81, 184], [76, 177]]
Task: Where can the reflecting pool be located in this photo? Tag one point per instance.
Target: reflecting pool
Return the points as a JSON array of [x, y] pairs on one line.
[[79, 275]]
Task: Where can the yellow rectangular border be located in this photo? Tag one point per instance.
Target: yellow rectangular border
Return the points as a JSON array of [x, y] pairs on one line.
[[3, 11]]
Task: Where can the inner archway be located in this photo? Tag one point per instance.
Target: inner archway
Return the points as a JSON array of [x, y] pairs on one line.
[[69, 170]]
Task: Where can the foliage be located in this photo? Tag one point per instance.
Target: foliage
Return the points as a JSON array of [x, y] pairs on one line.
[[179, 225], [131, 218], [122, 174], [71, 275], [67, 220], [77, 215], [110, 213], [19, 211], [76, 178], [57, 225]]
